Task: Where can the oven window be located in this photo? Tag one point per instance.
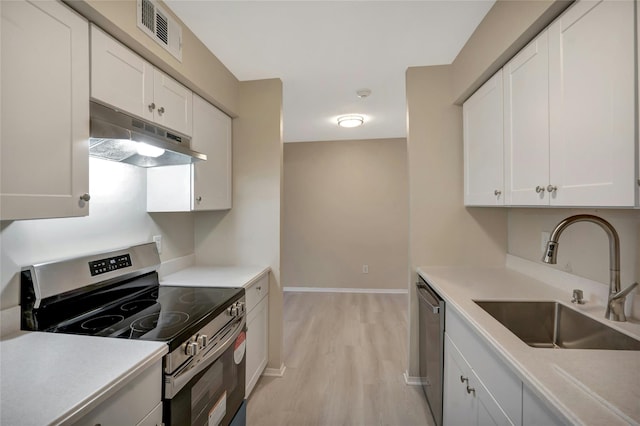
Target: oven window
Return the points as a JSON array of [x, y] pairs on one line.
[[213, 396]]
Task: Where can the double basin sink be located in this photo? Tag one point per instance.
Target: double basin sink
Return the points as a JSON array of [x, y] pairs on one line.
[[554, 325]]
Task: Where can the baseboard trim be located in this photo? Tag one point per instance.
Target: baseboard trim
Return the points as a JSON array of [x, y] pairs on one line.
[[412, 380], [275, 372], [345, 290]]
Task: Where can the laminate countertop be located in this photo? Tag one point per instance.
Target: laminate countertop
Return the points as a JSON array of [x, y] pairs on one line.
[[52, 378], [593, 387], [215, 276]]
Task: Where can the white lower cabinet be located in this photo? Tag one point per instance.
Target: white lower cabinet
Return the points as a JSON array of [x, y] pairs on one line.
[[257, 299], [479, 389], [466, 400], [534, 412], [138, 403]]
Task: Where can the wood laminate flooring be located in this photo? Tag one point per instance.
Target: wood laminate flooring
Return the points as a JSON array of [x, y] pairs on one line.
[[345, 356]]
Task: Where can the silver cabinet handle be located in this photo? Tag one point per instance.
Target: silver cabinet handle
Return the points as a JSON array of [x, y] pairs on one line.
[[471, 390], [259, 288], [199, 199], [85, 197], [161, 110], [152, 106], [552, 188], [539, 189], [497, 192], [464, 379]]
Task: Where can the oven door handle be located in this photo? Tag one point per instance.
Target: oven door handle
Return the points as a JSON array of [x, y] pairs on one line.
[[175, 382]]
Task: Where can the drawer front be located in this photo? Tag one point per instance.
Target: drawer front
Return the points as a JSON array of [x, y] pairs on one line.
[[257, 291], [503, 384], [131, 404]]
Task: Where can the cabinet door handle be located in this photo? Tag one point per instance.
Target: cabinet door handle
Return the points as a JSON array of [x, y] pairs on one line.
[[497, 192], [199, 199], [85, 197], [471, 390], [552, 188], [539, 189], [161, 110], [259, 288], [464, 379], [152, 106]]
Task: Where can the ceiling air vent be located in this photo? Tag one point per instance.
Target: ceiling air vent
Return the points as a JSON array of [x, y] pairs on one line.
[[158, 25]]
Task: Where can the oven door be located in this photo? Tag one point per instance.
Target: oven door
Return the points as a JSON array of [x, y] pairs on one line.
[[211, 393]]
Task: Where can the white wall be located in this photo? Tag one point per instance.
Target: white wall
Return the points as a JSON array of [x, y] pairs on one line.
[[117, 218]]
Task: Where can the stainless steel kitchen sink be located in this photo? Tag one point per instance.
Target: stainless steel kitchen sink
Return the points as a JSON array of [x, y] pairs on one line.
[[553, 325]]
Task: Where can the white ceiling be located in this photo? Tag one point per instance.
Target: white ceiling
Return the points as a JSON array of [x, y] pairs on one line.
[[324, 51]]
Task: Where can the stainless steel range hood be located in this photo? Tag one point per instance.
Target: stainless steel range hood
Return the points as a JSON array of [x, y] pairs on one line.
[[120, 137]]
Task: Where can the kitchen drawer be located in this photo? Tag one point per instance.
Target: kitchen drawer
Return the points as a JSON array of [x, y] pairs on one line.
[[256, 291], [154, 418], [131, 404], [503, 384]]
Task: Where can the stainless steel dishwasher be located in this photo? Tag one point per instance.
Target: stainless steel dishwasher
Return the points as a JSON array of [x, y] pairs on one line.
[[431, 346]]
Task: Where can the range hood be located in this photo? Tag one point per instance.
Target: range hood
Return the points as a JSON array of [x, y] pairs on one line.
[[120, 137]]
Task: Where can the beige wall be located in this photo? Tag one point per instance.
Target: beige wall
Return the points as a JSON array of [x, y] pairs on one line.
[[441, 230], [507, 28], [345, 206], [199, 70], [249, 233]]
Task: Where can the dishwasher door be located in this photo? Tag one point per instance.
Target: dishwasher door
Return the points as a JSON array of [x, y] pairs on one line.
[[431, 346]]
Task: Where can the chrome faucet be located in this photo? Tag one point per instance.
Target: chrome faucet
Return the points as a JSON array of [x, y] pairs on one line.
[[615, 302]]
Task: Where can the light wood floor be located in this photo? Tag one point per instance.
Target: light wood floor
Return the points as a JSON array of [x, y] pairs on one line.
[[345, 356]]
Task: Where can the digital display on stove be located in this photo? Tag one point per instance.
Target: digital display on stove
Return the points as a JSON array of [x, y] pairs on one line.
[[97, 267]]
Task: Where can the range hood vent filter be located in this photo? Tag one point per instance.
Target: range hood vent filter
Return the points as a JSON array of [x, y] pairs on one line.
[[119, 137]]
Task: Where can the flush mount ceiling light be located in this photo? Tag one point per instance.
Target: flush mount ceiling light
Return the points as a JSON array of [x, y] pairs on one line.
[[350, 120]]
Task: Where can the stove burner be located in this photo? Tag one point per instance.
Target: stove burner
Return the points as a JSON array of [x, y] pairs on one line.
[[137, 305], [162, 320], [100, 323], [188, 298]]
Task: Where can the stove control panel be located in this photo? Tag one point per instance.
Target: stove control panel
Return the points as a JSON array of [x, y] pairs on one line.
[[102, 266]]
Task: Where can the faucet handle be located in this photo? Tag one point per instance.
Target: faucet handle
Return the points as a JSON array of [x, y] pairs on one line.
[[623, 293], [578, 297]]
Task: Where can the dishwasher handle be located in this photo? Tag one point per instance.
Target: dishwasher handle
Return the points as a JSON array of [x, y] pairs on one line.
[[427, 295]]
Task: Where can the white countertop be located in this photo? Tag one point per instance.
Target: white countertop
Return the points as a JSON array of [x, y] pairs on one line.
[[215, 276], [596, 387], [52, 377]]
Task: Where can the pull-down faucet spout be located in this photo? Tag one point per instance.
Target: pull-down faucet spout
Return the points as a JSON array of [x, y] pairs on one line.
[[616, 299]]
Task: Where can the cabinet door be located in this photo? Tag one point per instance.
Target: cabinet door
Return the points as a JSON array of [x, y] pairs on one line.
[[119, 77], [535, 413], [488, 411], [211, 136], [459, 408], [526, 125], [44, 165], [257, 343], [173, 102], [169, 188], [591, 80], [483, 145]]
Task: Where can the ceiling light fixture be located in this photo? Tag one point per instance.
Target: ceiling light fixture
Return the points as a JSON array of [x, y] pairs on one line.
[[350, 120]]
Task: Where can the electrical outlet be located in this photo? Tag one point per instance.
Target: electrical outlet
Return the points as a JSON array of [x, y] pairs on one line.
[[365, 269], [543, 241], [158, 240]]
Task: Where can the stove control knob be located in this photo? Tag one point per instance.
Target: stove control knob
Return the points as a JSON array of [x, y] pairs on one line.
[[234, 311], [242, 309], [202, 341], [191, 348]]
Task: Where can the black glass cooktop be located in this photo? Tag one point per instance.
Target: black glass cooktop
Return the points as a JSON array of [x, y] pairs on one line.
[[159, 313]]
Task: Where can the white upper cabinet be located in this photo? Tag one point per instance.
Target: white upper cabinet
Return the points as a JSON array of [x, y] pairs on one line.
[[211, 136], [526, 125], [119, 77], [45, 111], [569, 116], [483, 145], [173, 103], [205, 185], [592, 108], [123, 80]]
